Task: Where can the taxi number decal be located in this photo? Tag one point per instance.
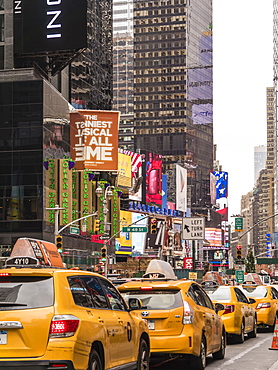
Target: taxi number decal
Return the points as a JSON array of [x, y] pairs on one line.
[[3, 337]]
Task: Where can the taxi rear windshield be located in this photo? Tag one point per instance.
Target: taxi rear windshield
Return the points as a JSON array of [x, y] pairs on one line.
[[220, 293], [255, 292], [25, 292], [156, 299]]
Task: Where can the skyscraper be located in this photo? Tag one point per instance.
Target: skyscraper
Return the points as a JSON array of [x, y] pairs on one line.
[[173, 86]]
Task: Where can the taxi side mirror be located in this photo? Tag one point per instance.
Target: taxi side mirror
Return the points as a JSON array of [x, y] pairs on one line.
[[251, 300], [219, 307], [134, 304]]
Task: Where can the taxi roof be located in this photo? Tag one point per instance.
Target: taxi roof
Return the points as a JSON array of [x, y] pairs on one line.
[[29, 252], [158, 269]]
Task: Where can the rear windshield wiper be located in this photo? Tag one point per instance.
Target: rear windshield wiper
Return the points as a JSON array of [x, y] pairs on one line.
[[12, 304]]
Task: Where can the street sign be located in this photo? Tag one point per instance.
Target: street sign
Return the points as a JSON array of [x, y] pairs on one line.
[[193, 228], [135, 229], [238, 224], [239, 276], [74, 230], [104, 237]]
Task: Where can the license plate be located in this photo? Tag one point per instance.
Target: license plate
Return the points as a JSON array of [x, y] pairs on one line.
[[3, 336], [151, 325]]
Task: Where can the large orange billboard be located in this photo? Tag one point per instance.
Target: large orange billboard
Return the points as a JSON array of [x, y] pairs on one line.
[[94, 139]]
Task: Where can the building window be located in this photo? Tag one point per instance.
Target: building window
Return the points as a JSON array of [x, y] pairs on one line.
[[1, 27], [1, 57]]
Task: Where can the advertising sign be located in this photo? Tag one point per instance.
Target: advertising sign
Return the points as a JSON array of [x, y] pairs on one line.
[[124, 168], [214, 237], [153, 178], [124, 241], [181, 188], [188, 263], [50, 25], [94, 139]]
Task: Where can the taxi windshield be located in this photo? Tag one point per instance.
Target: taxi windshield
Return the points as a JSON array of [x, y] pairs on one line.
[[255, 292], [156, 299], [220, 293], [24, 292]]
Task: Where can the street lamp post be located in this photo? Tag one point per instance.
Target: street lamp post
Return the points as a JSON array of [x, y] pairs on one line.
[[107, 195]]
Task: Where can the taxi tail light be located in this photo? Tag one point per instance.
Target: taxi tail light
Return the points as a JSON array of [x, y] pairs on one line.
[[187, 313], [63, 326], [229, 308], [263, 305]]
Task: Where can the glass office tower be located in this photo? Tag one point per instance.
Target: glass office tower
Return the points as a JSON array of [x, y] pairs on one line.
[[173, 86]]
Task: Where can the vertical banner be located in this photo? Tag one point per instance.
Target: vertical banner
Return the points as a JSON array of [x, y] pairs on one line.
[[94, 139], [51, 184], [86, 195], [75, 196], [181, 188], [65, 193], [115, 212], [164, 191]]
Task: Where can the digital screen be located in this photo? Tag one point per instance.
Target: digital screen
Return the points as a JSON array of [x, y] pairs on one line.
[[50, 25]]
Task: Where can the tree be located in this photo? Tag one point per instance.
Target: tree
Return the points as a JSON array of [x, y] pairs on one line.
[[250, 262]]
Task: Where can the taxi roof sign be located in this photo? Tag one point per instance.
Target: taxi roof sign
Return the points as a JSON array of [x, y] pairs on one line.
[[34, 252], [158, 269]]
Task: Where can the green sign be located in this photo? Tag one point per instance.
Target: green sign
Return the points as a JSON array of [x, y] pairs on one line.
[[238, 224], [239, 276], [136, 229], [74, 230]]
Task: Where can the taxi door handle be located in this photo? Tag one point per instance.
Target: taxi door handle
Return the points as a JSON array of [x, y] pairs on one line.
[[100, 320], [120, 321], [213, 317]]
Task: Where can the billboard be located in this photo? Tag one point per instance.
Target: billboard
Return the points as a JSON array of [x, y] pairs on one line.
[[94, 139], [181, 188], [50, 25], [139, 239], [123, 241], [135, 192], [214, 237], [124, 168], [154, 178]]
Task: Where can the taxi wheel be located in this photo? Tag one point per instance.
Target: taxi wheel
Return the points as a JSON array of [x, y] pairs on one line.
[[253, 333], [95, 361], [199, 363], [143, 356], [240, 337], [219, 355]]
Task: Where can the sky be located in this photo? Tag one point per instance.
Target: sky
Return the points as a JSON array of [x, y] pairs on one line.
[[243, 69]]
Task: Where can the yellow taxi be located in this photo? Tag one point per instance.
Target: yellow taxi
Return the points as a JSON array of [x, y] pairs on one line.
[[239, 316], [265, 302], [55, 318], [182, 320]]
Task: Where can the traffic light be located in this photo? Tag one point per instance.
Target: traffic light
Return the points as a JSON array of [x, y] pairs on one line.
[[96, 225], [59, 243], [153, 228], [238, 252], [103, 253]]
